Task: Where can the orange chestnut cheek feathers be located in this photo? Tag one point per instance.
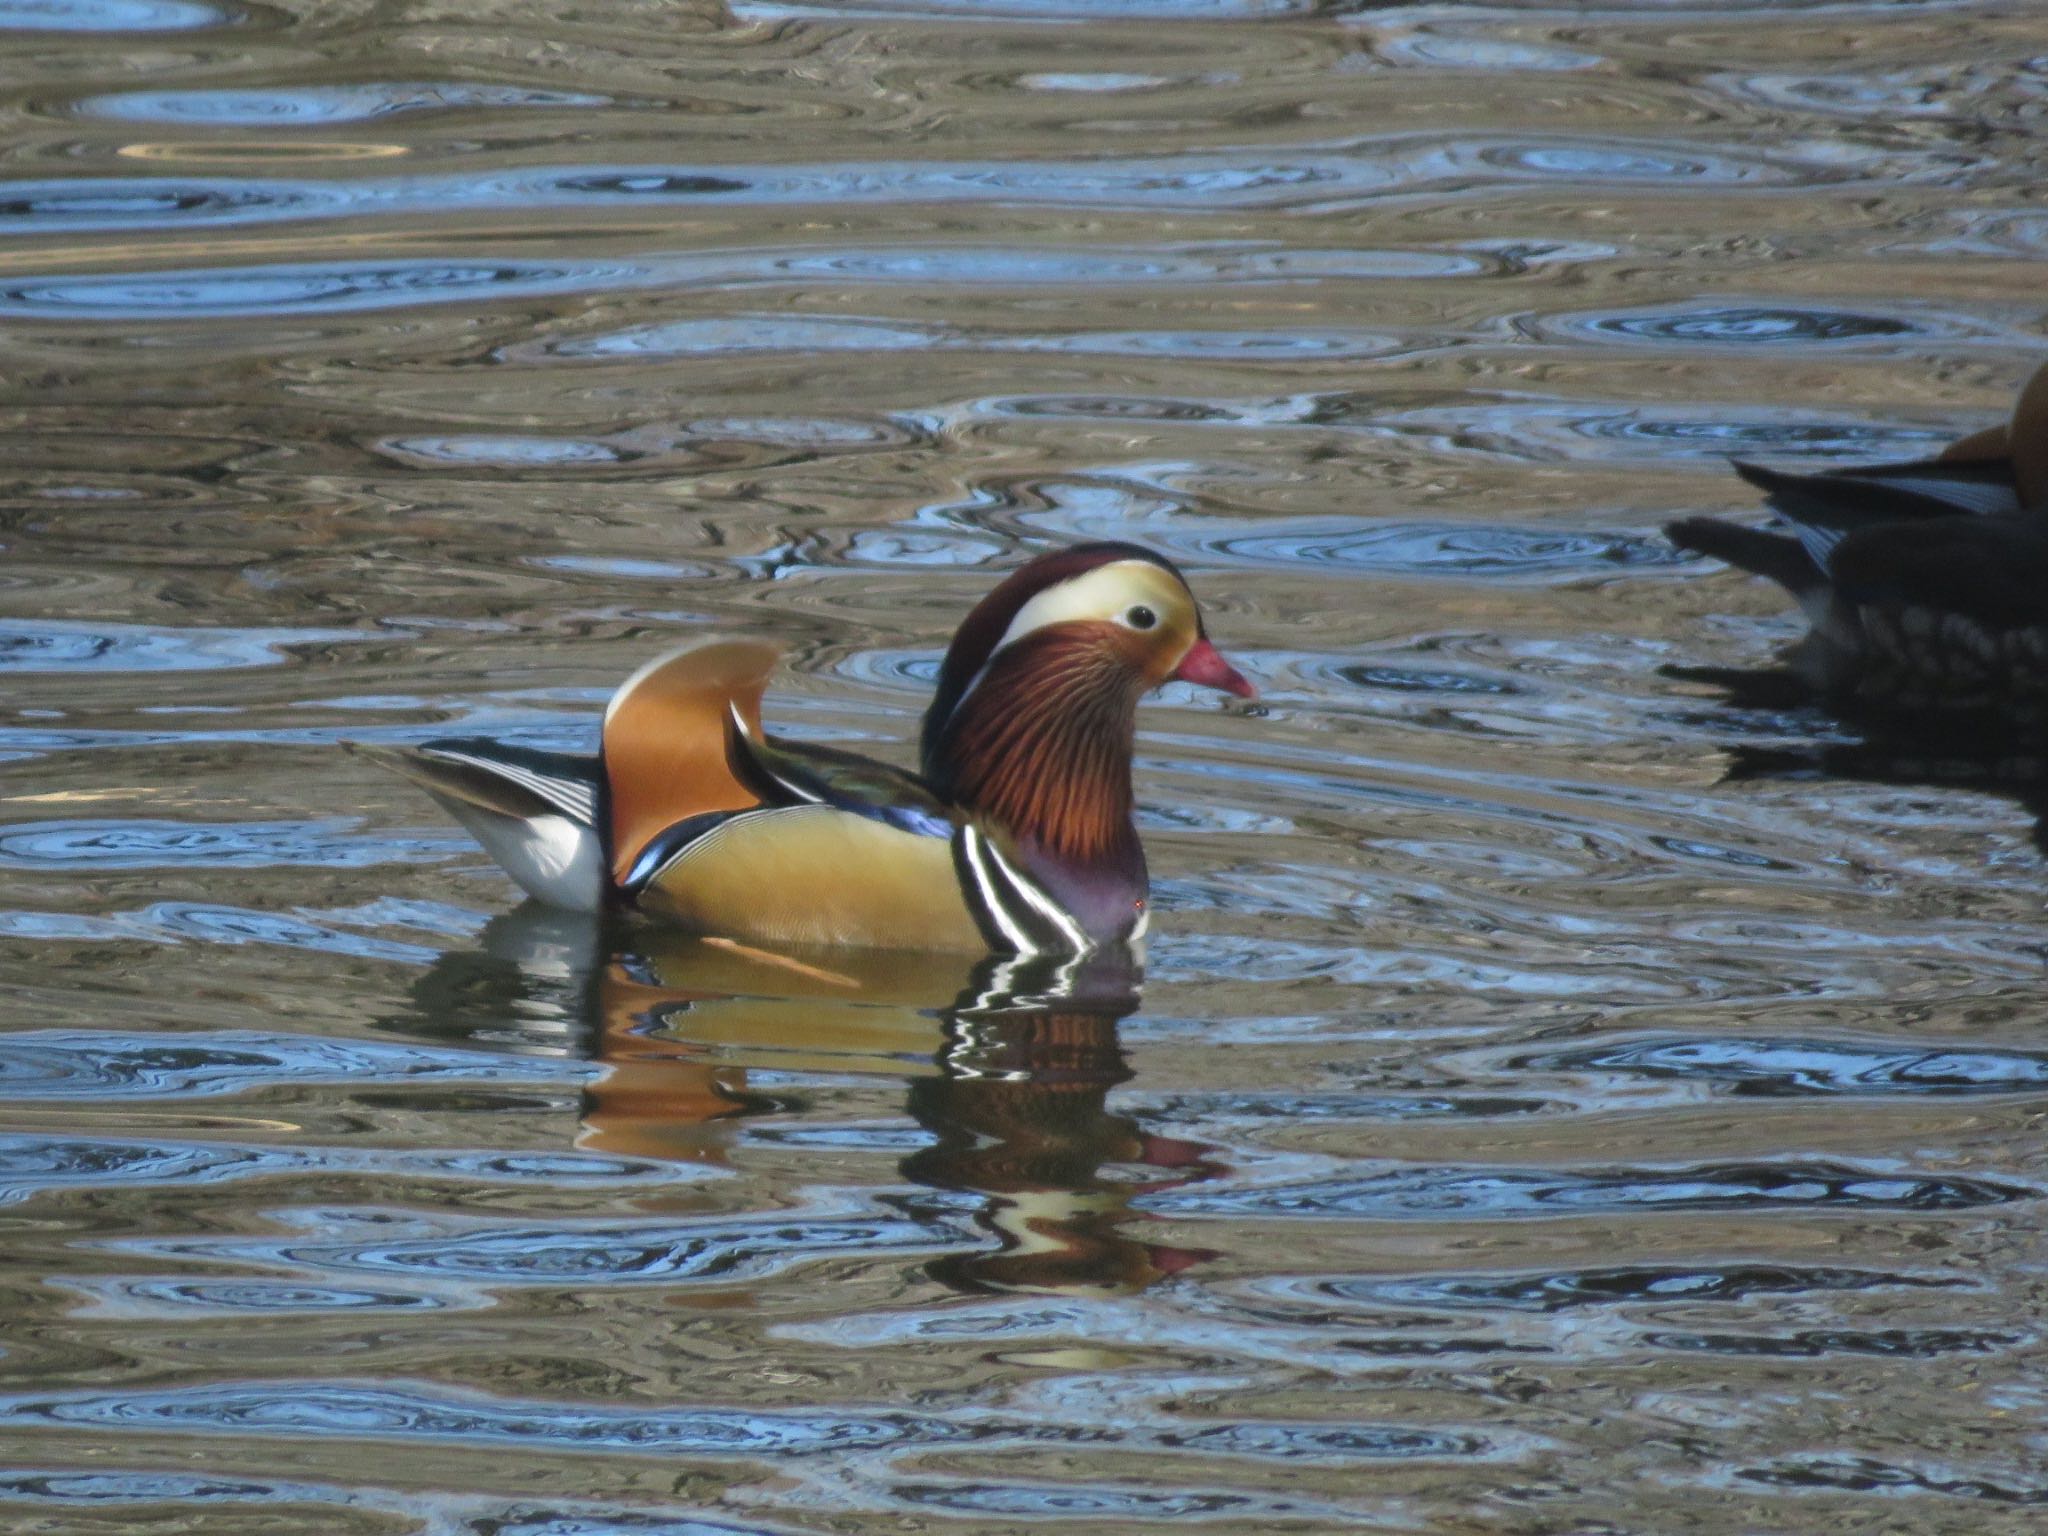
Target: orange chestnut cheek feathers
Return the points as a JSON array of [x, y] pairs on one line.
[[1204, 664]]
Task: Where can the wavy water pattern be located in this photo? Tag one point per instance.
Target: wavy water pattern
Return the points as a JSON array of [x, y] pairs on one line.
[[30, 645], [184, 844], [312, 106], [1322, 178], [30, 1165], [49, 1064], [1559, 1093]]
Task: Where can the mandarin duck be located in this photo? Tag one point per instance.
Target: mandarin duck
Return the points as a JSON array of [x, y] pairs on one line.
[[1014, 837], [1925, 583]]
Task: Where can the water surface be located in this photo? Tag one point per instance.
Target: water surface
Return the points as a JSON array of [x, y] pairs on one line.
[[1556, 1098]]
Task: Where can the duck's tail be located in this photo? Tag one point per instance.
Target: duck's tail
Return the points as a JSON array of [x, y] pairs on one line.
[[535, 812], [1780, 557]]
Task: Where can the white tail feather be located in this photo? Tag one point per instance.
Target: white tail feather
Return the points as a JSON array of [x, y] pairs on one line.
[[553, 858]]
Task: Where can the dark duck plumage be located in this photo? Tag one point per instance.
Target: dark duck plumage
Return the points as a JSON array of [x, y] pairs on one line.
[[1925, 583], [1016, 836]]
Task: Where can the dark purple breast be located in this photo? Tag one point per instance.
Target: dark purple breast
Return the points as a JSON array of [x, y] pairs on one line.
[[1108, 898]]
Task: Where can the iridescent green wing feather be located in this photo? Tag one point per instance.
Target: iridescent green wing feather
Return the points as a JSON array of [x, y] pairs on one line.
[[802, 773]]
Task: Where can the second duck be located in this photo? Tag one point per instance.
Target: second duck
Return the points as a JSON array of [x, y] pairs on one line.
[[1925, 583]]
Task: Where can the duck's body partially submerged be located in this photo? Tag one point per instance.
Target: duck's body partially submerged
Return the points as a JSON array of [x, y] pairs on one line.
[[1925, 583], [1016, 836]]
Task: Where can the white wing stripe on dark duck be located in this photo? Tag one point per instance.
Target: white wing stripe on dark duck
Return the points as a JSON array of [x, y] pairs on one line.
[[1817, 540], [1975, 497]]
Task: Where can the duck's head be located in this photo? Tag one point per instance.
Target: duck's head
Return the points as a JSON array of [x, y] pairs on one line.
[[1041, 685], [1089, 617]]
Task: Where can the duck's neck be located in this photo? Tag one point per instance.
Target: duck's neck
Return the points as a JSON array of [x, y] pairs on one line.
[[1041, 749]]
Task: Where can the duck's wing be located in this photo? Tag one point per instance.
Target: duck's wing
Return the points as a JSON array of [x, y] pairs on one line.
[[1821, 510], [1877, 493], [666, 761], [843, 850], [809, 874], [535, 812], [803, 773], [722, 831], [1011, 910]]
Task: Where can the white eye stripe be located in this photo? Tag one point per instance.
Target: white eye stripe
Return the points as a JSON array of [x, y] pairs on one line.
[[1112, 592], [1108, 591]]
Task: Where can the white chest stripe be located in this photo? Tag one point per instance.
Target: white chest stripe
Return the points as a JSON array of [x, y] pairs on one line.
[[971, 849], [1036, 898], [1000, 885]]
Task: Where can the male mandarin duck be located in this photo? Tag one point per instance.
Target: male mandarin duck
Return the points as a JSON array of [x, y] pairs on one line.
[[1925, 583], [1015, 837]]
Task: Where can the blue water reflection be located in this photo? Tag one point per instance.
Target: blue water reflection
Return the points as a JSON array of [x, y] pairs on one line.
[[314, 105], [109, 15]]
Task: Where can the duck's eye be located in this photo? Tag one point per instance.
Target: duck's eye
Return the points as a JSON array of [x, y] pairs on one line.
[[1141, 617]]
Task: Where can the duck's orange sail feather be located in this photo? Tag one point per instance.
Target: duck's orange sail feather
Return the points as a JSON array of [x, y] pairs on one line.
[[665, 740]]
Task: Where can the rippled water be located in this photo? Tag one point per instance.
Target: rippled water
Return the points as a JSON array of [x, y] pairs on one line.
[[1556, 1099]]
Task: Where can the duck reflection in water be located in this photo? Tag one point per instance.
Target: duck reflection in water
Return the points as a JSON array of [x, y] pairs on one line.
[[1985, 751], [1913, 752], [1008, 1064]]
